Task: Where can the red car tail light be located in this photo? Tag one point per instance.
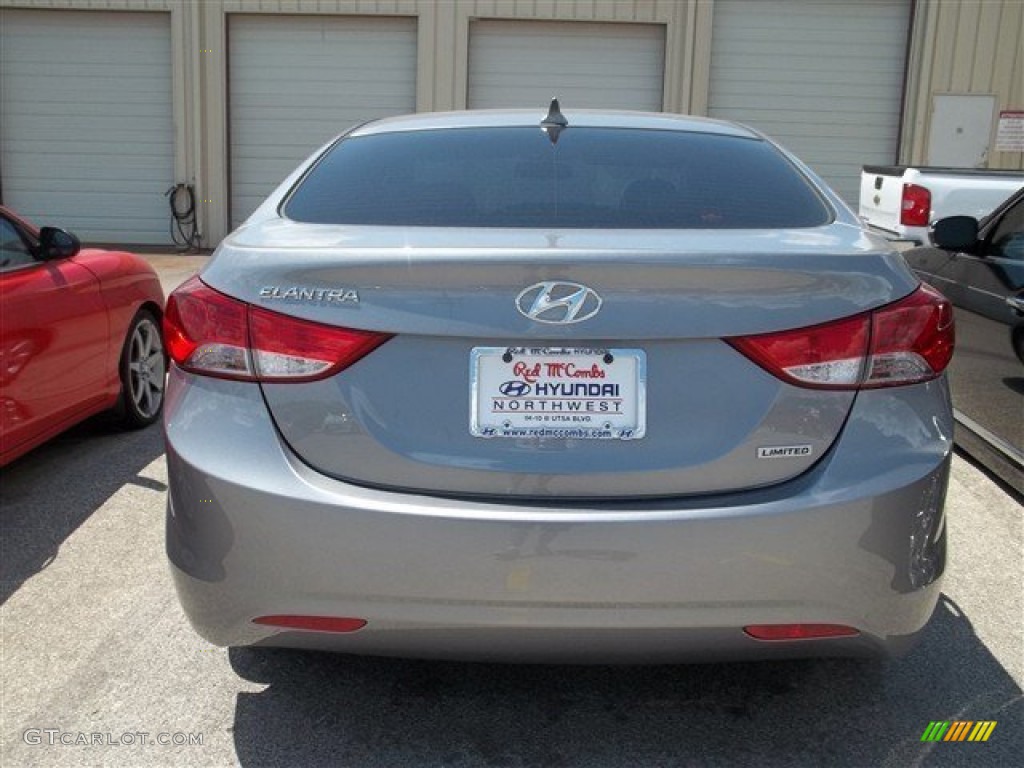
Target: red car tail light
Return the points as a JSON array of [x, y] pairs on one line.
[[903, 343], [829, 356], [212, 334], [286, 349], [916, 206], [911, 340], [206, 332]]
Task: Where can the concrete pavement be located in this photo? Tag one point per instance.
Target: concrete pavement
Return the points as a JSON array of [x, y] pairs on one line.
[[98, 664]]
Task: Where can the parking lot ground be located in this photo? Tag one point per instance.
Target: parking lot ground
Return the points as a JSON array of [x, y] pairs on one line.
[[175, 268], [98, 664]]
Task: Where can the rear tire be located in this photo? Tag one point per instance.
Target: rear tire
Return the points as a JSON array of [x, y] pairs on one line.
[[143, 372]]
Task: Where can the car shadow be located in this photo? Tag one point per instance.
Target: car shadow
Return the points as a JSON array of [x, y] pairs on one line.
[[48, 493], [323, 709], [1016, 384]]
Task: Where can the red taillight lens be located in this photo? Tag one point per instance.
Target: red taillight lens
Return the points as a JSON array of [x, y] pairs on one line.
[[916, 206], [903, 343], [911, 340], [206, 331], [286, 349], [823, 356], [212, 334]]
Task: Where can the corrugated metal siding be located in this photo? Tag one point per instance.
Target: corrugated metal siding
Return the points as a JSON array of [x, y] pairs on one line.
[[824, 78], [94, 5], [526, 63], [968, 48], [86, 126], [298, 81], [973, 45]]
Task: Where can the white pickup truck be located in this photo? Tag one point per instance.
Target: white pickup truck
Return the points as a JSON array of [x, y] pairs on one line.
[[900, 201]]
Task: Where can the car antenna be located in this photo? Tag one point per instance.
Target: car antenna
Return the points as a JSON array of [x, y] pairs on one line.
[[554, 123]]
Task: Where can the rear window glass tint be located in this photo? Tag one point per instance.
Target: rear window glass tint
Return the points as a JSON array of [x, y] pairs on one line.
[[592, 178]]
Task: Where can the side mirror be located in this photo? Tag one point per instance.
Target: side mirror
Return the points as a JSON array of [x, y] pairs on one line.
[[955, 233], [57, 243]]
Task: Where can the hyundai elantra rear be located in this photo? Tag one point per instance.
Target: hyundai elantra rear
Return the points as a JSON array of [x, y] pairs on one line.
[[584, 387]]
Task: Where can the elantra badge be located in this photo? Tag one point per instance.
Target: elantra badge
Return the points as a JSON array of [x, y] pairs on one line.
[[320, 295], [558, 303]]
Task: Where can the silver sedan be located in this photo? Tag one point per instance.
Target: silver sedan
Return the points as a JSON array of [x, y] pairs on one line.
[[582, 386]]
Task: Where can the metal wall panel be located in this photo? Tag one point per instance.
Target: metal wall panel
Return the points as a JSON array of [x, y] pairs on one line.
[[824, 78], [966, 48], [298, 81], [86, 124], [587, 65]]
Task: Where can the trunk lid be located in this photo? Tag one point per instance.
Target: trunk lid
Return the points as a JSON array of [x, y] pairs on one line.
[[408, 415]]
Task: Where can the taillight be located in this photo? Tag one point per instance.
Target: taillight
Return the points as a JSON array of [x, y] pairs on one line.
[[915, 206], [827, 356], [206, 332], [212, 334], [911, 340], [903, 343]]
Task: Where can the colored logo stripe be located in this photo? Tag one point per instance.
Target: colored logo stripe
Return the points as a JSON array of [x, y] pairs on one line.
[[958, 730], [982, 731]]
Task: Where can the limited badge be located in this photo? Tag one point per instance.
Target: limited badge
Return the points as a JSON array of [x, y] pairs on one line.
[[784, 452]]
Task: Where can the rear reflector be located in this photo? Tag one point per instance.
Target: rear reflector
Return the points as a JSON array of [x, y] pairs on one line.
[[906, 342], [916, 206], [312, 623], [212, 334], [798, 631]]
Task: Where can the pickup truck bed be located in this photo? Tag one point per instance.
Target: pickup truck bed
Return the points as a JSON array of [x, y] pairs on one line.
[[900, 201]]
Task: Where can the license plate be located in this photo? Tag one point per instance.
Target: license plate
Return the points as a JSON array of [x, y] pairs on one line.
[[554, 392]]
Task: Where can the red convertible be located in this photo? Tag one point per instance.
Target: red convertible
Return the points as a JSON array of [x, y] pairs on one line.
[[79, 334]]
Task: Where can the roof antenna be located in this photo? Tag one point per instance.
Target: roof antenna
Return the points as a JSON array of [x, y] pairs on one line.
[[554, 123]]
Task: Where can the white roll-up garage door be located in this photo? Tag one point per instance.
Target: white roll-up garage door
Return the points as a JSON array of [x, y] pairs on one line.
[[86, 128], [526, 63], [822, 77], [297, 81]]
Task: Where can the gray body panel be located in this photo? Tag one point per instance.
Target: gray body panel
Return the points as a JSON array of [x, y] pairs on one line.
[[860, 540], [412, 431], [655, 284]]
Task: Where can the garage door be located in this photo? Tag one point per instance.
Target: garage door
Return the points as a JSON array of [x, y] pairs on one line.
[[525, 64], [297, 81], [86, 130], [822, 77]]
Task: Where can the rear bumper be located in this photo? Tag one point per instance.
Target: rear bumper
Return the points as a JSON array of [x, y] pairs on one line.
[[901, 234], [859, 540]]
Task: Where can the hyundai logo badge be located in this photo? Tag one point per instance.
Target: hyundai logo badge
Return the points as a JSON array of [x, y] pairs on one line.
[[558, 303], [515, 388]]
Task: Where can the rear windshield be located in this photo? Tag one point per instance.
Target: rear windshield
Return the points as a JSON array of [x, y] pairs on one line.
[[592, 178]]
